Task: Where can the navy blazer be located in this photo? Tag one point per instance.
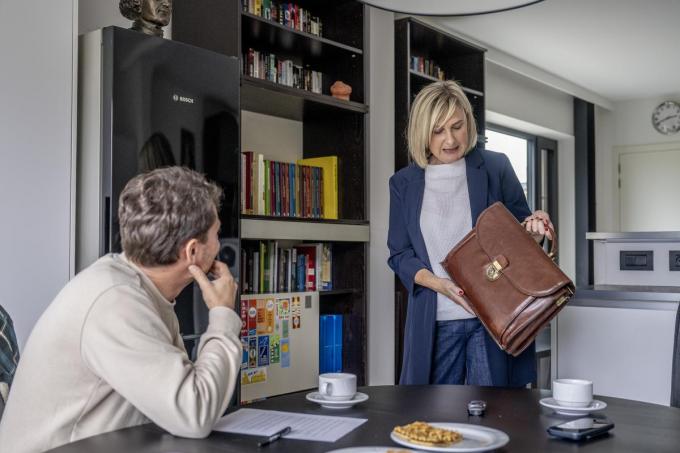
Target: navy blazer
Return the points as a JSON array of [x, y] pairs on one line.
[[490, 178]]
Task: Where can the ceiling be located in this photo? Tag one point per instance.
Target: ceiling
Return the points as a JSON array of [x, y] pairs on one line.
[[619, 49]]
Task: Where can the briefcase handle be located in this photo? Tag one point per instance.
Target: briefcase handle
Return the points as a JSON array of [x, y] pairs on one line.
[[552, 254]]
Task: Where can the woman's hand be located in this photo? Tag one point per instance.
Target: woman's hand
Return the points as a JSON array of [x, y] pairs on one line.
[[455, 293], [443, 286], [539, 225]]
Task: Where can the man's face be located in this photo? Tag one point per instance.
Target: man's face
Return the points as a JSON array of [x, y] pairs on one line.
[[207, 252], [157, 11]]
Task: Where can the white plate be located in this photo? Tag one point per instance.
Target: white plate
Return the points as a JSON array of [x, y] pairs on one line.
[[372, 450], [594, 406], [475, 438], [316, 397]]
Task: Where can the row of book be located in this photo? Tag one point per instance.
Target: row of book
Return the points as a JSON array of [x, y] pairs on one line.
[[268, 268], [286, 14], [267, 66], [427, 67], [308, 189]]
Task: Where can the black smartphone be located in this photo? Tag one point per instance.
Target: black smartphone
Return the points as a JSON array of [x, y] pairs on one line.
[[582, 428]]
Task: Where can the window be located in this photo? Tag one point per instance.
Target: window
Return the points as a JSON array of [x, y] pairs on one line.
[[519, 148]]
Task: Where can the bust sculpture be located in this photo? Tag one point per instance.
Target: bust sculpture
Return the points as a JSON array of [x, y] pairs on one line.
[[148, 16]]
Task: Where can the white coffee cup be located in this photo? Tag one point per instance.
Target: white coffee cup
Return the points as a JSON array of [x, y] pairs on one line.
[[573, 392], [337, 386]]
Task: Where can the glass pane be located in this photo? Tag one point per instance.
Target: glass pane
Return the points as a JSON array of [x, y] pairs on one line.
[[516, 148]]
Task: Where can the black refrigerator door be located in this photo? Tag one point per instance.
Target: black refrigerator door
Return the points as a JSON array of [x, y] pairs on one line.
[[168, 103]]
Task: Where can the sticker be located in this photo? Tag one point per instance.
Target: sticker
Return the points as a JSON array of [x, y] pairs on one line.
[[244, 355], [252, 317], [296, 309], [244, 318], [252, 352], [263, 350], [296, 322], [285, 353], [284, 329], [253, 376], [284, 308], [261, 317], [269, 316], [274, 349]]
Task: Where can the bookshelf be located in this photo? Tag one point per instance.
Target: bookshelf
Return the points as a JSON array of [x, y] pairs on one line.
[[420, 50], [321, 125]]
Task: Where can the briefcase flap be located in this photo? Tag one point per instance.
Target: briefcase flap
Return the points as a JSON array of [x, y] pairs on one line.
[[515, 254]]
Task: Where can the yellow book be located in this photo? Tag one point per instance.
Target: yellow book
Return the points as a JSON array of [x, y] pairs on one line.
[[329, 166]]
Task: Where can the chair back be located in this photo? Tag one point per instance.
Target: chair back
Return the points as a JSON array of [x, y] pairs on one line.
[[675, 374], [9, 354]]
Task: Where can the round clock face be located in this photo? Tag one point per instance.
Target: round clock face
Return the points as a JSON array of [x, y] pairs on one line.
[[666, 117]]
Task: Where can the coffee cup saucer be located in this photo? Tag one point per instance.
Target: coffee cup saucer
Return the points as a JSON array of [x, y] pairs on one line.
[[594, 406], [316, 397]]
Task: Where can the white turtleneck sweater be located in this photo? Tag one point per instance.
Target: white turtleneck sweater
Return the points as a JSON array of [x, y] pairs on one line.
[[445, 218]]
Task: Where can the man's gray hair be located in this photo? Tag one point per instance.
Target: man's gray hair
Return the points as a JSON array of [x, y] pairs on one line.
[[130, 9], [161, 210]]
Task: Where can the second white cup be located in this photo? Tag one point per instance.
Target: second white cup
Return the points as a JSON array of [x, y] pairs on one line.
[[573, 392], [337, 386]]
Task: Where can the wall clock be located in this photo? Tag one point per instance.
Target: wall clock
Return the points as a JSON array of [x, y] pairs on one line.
[[666, 117]]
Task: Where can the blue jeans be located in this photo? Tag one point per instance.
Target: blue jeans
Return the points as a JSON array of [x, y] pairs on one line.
[[460, 353]]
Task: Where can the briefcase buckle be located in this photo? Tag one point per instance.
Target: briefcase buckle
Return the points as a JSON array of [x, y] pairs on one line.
[[493, 271]]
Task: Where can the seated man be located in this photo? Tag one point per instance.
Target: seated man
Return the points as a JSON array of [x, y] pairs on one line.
[[107, 353]]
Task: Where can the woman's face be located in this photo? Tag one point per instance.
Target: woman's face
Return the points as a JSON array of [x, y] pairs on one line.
[[449, 141], [157, 11]]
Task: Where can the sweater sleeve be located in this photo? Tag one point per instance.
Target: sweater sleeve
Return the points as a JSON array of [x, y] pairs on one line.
[[127, 344], [403, 260]]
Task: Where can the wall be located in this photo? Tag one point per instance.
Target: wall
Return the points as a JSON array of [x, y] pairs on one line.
[[37, 141], [629, 123], [94, 14], [381, 143], [524, 104]]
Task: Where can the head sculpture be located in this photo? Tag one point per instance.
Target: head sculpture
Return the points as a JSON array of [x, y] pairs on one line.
[[148, 16]]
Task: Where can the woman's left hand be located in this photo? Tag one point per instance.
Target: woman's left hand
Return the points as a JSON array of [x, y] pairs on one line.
[[539, 225]]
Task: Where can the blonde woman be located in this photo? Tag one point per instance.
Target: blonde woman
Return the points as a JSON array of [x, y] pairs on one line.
[[434, 202]]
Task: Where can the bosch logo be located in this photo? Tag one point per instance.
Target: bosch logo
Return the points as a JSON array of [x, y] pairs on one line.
[[185, 99]]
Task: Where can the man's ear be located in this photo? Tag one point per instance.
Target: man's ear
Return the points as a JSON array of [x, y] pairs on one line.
[[190, 251]]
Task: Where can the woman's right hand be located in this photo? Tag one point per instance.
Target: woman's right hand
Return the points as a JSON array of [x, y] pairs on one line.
[[455, 293], [443, 286]]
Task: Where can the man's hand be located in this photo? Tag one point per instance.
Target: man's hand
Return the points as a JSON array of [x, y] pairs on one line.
[[220, 292]]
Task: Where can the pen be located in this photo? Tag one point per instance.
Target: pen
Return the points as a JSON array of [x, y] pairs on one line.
[[274, 437]]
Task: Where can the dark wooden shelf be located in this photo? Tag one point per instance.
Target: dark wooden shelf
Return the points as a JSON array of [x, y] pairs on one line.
[[338, 292], [272, 34], [270, 98], [421, 75], [305, 220]]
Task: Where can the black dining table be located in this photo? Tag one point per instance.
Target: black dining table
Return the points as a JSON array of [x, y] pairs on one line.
[[640, 427]]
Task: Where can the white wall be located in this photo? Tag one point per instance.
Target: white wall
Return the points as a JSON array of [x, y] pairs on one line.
[[37, 138], [629, 123], [381, 142]]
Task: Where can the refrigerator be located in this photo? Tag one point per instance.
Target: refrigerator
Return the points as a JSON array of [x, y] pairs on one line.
[[280, 339], [146, 102]]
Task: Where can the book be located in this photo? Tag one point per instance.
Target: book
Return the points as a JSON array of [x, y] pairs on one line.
[[329, 166]]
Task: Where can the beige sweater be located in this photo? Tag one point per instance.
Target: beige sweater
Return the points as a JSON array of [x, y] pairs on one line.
[[107, 354]]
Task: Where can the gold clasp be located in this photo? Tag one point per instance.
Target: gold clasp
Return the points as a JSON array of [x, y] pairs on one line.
[[493, 271], [564, 297]]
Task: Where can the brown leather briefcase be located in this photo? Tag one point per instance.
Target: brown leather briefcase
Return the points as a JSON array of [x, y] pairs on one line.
[[512, 285]]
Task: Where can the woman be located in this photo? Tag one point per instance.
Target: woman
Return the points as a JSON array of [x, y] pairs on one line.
[[434, 202]]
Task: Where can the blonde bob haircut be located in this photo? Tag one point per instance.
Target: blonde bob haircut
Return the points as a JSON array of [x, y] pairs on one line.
[[435, 105]]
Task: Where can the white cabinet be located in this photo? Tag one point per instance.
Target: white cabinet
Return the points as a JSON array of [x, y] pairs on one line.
[[626, 352]]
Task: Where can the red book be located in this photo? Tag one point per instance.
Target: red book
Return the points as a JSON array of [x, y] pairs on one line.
[[309, 251]]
